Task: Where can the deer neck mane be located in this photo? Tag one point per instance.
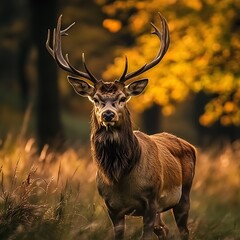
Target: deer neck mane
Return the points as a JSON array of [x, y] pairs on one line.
[[115, 150]]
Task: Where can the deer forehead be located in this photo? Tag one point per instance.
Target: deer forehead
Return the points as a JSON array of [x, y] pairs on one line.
[[112, 90]]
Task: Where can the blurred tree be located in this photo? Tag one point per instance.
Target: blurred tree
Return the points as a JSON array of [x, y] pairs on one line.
[[204, 55], [49, 127], [151, 119], [25, 46]]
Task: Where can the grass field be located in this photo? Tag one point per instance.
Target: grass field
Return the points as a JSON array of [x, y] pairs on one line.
[[53, 196]]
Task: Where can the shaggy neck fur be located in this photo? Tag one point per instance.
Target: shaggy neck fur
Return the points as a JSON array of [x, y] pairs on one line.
[[115, 150]]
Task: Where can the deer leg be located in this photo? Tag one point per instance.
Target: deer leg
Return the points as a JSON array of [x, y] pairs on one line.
[[180, 212], [160, 228], [148, 225], [118, 225]]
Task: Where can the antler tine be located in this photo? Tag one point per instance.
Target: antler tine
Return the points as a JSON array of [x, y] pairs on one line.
[[77, 72], [122, 78], [57, 46], [93, 78], [47, 44], [164, 39], [56, 52]]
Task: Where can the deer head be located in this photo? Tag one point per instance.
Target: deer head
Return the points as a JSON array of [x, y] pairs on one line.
[[109, 98]]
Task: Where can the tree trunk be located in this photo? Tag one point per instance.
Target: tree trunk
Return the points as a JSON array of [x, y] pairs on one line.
[[151, 119], [24, 49], [49, 127]]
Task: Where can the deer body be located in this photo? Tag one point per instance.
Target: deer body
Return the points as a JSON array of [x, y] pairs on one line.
[[150, 181], [137, 174], [148, 185]]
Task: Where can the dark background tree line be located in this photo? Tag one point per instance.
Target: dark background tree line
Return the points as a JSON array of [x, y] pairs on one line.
[[29, 75]]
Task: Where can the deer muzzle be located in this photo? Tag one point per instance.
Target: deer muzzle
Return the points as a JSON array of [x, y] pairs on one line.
[[109, 118]]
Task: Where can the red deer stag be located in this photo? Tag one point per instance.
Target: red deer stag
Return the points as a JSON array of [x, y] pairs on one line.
[[138, 174]]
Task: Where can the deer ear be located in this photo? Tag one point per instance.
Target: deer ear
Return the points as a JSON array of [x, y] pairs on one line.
[[137, 87], [81, 87]]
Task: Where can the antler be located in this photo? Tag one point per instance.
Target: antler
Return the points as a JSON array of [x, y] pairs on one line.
[[56, 52], [164, 39]]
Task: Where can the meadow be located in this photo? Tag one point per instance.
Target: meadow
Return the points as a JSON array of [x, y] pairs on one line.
[[53, 195]]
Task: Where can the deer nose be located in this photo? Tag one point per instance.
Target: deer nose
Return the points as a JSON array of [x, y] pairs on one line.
[[108, 116]]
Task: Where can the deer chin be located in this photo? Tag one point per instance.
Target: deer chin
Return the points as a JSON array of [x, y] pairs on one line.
[[108, 125]]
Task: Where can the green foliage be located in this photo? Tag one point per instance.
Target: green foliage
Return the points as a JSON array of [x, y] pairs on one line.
[[203, 55]]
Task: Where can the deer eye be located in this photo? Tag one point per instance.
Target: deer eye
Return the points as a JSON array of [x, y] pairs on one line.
[[96, 101], [123, 100]]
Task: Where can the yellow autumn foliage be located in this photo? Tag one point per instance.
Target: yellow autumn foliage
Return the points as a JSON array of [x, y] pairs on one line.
[[204, 54], [112, 25]]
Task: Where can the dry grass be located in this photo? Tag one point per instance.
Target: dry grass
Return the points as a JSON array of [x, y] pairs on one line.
[[53, 196]]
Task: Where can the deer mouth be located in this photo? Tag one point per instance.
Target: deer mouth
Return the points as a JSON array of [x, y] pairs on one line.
[[108, 124]]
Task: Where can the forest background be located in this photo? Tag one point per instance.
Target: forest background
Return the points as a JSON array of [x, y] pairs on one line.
[[44, 126]]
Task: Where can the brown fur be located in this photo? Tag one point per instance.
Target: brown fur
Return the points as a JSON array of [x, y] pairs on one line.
[[114, 158], [136, 171]]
